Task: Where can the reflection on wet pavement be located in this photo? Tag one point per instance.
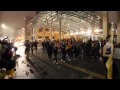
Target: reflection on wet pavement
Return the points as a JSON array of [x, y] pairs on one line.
[[38, 67]]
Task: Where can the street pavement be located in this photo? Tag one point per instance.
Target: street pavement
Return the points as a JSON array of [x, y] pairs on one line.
[[39, 67]]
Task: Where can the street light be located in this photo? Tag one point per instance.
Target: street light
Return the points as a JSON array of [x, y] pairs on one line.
[[6, 30], [76, 33], [3, 25], [96, 30], [23, 28]]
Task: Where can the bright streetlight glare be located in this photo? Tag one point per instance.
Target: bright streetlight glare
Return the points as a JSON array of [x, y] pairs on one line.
[[82, 32], [96, 30], [89, 31], [76, 33], [3, 25], [71, 33], [23, 28]]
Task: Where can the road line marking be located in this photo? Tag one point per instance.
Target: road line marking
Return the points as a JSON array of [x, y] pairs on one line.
[[84, 70]]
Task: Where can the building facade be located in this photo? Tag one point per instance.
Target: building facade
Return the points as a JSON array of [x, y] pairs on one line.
[[72, 24], [64, 24], [27, 33]]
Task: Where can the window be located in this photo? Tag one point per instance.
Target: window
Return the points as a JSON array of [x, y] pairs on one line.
[[46, 37], [72, 36], [46, 29], [40, 29], [40, 37], [53, 37]]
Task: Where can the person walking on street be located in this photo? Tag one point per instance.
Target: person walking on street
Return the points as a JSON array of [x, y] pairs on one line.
[[50, 51], [55, 51], [31, 47], [27, 49], [35, 45], [62, 46]]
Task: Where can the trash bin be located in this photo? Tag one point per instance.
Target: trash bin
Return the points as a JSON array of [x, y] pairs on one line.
[[116, 63]]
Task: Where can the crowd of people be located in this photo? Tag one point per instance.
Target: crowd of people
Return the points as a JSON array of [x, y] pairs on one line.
[[73, 48], [7, 63], [70, 49], [30, 46]]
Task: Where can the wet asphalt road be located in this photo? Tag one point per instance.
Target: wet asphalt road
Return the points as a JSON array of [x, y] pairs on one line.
[[39, 67]]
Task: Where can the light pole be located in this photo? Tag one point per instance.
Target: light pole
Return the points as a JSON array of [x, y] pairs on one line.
[[60, 18], [51, 36], [33, 33], [7, 30]]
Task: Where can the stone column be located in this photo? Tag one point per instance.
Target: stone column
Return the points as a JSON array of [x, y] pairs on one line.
[[118, 27], [33, 34], [43, 33], [60, 28], [62, 35], [69, 35], [36, 34], [92, 37], [51, 36], [105, 24], [75, 36]]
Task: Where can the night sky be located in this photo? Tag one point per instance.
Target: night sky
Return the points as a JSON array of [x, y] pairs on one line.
[[15, 19]]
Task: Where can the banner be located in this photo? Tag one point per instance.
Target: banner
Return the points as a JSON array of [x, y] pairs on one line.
[[109, 62], [109, 67]]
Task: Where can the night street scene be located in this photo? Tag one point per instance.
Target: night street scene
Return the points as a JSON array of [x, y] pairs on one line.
[[59, 44]]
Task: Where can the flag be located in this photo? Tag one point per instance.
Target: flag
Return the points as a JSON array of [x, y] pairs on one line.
[[109, 62], [109, 67]]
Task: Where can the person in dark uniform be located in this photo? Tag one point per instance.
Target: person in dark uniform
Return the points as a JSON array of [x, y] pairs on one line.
[[55, 51], [27, 49], [50, 51], [75, 50], [62, 46], [97, 49], [46, 46], [35, 45], [31, 46], [43, 46]]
